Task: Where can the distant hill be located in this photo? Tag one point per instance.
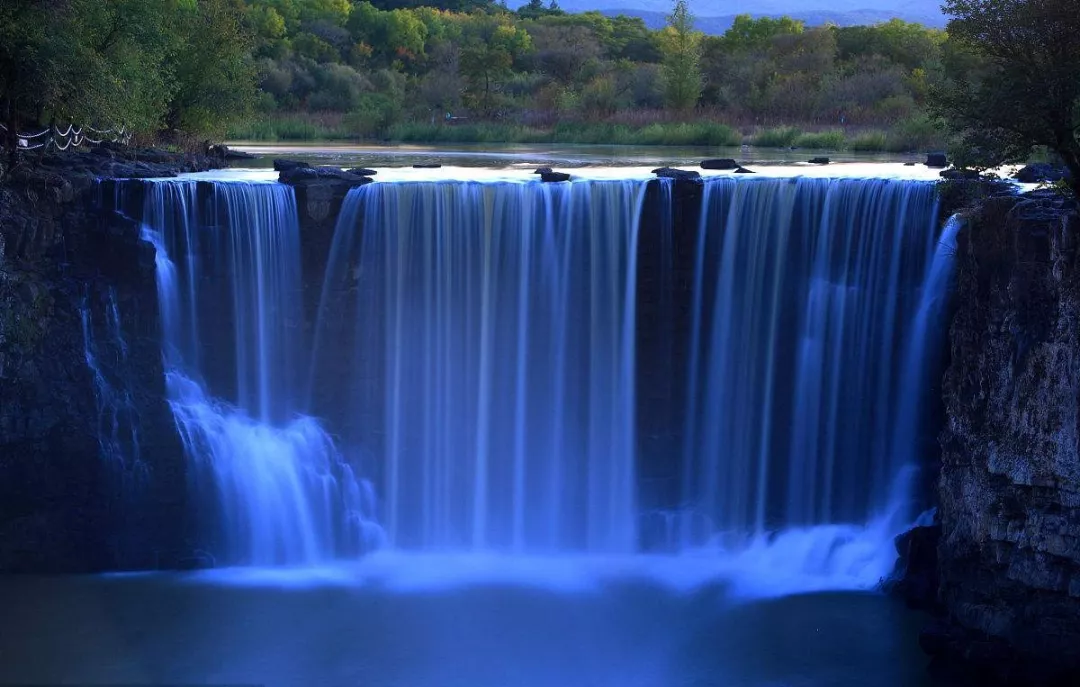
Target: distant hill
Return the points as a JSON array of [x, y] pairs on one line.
[[715, 16], [718, 25]]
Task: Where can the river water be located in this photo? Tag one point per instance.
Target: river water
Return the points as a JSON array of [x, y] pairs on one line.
[[556, 155], [394, 626], [524, 588]]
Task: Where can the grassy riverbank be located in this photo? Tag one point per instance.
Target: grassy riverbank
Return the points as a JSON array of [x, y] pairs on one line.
[[916, 135]]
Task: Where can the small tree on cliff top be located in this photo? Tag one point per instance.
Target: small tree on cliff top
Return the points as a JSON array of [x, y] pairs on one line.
[[1027, 91], [681, 46]]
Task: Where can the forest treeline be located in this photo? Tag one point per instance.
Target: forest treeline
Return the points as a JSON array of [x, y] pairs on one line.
[[472, 70], [466, 70], [460, 70]]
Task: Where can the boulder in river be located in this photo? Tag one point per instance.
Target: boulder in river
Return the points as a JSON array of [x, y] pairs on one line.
[[819, 161], [306, 176], [363, 172], [287, 165], [937, 160], [554, 176], [1041, 172], [720, 164], [672, 173]]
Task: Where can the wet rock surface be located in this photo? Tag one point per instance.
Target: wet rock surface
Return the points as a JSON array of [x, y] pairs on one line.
[[81, 372], [306, 176], [720, 164], [1041, 172], [1009, 556]]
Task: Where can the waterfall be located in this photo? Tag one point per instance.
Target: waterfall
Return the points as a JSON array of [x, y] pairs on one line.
[[118, 421], [493, 359], [230, 311], [478, 352], [800, 404]]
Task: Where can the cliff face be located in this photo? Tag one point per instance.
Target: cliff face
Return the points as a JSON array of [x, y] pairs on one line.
[[1009, 556], [91, 467]]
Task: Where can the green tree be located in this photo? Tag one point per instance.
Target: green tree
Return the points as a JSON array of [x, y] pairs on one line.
[[485, 68], [1028, 91], [681, 47], [213, 69], [747, 33]]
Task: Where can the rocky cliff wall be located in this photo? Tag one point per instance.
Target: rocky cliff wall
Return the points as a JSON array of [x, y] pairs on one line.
[[1009, 553], [91, 467]]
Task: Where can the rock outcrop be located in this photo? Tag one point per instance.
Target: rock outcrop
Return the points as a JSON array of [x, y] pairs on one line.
[[1009, 556], [91, 467]]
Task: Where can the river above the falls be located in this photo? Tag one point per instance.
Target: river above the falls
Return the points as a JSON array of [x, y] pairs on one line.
[[404, 623], [561, 155]]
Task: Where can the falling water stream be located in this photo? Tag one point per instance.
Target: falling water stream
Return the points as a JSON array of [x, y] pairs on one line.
[[426, 456]]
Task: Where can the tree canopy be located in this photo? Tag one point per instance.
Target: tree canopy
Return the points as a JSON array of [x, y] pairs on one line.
[[146, 65], [192, 66], [1019, 86]]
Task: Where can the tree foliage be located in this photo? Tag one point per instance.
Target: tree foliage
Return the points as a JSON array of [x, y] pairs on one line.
[[143, 64], [681, 46], [1019, 85], [191, 66]]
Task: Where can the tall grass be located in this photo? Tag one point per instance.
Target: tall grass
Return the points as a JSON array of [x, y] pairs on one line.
[[661, 134], [290, 128], [823, 140], [869, 142], [780, 137], [913, 135]]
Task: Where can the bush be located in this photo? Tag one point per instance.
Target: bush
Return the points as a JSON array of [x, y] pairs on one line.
[[915, 135], [374, 115], [871, 141], [823, 140], [780, 137], [340, 88]]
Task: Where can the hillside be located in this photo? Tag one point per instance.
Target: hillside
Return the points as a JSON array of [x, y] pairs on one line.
[[715, 17]]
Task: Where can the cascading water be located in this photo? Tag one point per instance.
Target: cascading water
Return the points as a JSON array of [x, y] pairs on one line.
[[476, 352], [493, 358], [284, 494], [118, 422], [801, 412]]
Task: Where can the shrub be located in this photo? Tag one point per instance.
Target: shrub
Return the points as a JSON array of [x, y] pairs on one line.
[[780, 137], [871, 141], [822, 140]]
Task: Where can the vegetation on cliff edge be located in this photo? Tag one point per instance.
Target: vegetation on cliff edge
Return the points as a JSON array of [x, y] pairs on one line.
[[1024, 90]]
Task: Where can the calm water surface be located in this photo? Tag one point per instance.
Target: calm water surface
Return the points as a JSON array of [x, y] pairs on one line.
[[555, 155], [293, 630]]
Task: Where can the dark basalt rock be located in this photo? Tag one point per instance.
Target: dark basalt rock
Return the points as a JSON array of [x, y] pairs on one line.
[[1009, 488], [226, 153], [363, 172], [543, 170], [289, 165], [954, 174], [70, 245], [719, 164], [1042, 172], [299, 176], [820, 160], [937, 160], [915, 577], [672, 173], [744, 170], [554, 176], [427, 165], [910, 164]]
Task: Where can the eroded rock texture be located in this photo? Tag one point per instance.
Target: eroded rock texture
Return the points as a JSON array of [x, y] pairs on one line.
[[1010, 480], [92, 473]]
